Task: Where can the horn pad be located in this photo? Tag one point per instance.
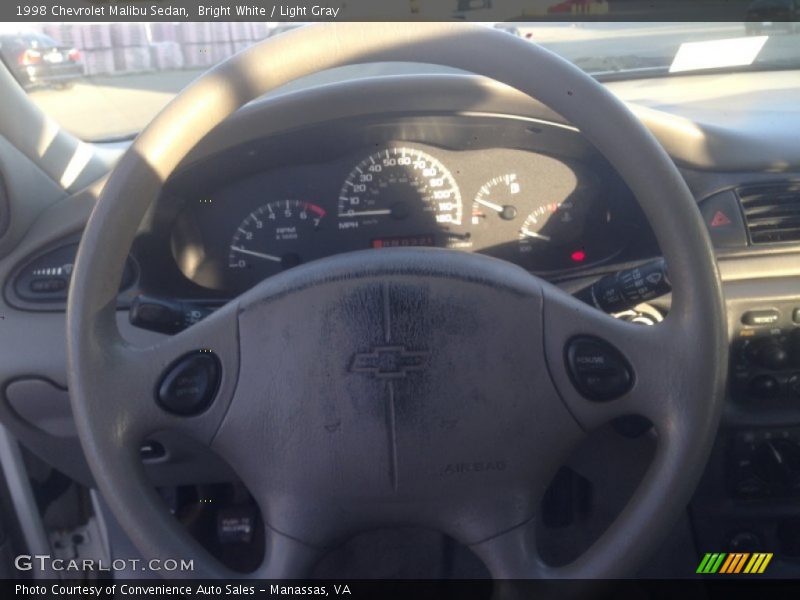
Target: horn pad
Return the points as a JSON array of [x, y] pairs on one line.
[[399, 385]]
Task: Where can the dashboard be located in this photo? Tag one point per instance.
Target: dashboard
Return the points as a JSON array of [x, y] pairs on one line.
[[468, 183], [483, 146]]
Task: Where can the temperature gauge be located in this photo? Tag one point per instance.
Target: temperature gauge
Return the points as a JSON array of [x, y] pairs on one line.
[[545, 215], [548, 222]]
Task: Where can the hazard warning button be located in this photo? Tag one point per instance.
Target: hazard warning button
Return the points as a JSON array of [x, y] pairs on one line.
[[723, 219], [720, 219]]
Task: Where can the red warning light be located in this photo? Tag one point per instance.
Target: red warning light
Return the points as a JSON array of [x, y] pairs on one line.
[[578, 256], [720, 219]]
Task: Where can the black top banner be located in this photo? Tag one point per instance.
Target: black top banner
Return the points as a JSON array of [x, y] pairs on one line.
[[397, 10]]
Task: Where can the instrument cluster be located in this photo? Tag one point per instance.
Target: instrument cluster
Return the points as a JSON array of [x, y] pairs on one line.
[[543, 213]]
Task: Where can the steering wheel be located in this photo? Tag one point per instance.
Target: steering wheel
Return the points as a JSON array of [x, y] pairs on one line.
[[401, 386]]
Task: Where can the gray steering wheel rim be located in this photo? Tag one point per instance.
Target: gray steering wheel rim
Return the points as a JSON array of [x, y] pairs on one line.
[[138, 177]]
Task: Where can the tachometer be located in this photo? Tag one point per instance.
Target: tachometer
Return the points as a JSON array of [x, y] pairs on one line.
[[272, 238], [398, 184]]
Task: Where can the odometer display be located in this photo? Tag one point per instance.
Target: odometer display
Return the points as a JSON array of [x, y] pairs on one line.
[[405, 241], [399, 184]]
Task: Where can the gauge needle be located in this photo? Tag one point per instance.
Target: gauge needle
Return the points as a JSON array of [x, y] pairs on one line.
[[366, 213], [487, 204], [258, 254], [533, 234]]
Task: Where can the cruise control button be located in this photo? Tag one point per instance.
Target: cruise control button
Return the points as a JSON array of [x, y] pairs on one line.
[[597, 369], [756, 318], [189, 385]]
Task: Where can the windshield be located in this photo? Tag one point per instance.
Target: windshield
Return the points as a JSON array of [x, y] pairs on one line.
[[105, 81]]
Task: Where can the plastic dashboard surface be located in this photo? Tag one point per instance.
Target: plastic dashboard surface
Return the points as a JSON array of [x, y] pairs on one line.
[[531, 193]]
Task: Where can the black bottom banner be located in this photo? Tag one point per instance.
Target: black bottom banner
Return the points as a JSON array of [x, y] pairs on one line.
[[700, 589]]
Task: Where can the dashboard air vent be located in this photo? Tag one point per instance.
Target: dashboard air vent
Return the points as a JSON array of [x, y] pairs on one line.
[[772, 212]]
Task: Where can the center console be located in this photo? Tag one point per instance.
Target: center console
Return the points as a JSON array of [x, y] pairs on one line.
[[765, 356], [749, 499], [765, 376]]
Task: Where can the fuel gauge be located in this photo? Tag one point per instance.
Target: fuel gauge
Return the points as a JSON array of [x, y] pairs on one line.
[[545, 216], [498, 198]]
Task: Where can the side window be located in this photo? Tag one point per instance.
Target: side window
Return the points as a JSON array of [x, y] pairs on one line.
[[9, 43]]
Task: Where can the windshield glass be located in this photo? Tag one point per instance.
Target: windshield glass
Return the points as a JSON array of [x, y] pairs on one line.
[[104, 81]]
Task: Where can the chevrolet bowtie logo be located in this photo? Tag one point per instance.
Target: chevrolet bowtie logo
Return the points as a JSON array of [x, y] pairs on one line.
[[389, 362]]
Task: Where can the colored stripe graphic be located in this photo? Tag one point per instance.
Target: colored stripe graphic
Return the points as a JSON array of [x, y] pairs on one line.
[[740, 564], [703, 563], [734, 563], [716, 564], [754, 564], [729, 563], [711, 563], [764, 564]]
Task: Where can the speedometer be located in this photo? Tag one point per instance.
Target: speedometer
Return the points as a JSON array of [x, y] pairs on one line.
[[396, 184]]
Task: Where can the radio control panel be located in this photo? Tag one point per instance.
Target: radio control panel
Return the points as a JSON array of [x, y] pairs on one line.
[[765, 356]]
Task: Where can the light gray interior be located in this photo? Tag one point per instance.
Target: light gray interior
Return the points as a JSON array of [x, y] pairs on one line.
[[714, 150]]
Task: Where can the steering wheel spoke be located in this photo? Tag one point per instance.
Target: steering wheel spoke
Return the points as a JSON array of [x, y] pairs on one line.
[[606, 368], [183, 382], [286, 557], [512, 554]]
